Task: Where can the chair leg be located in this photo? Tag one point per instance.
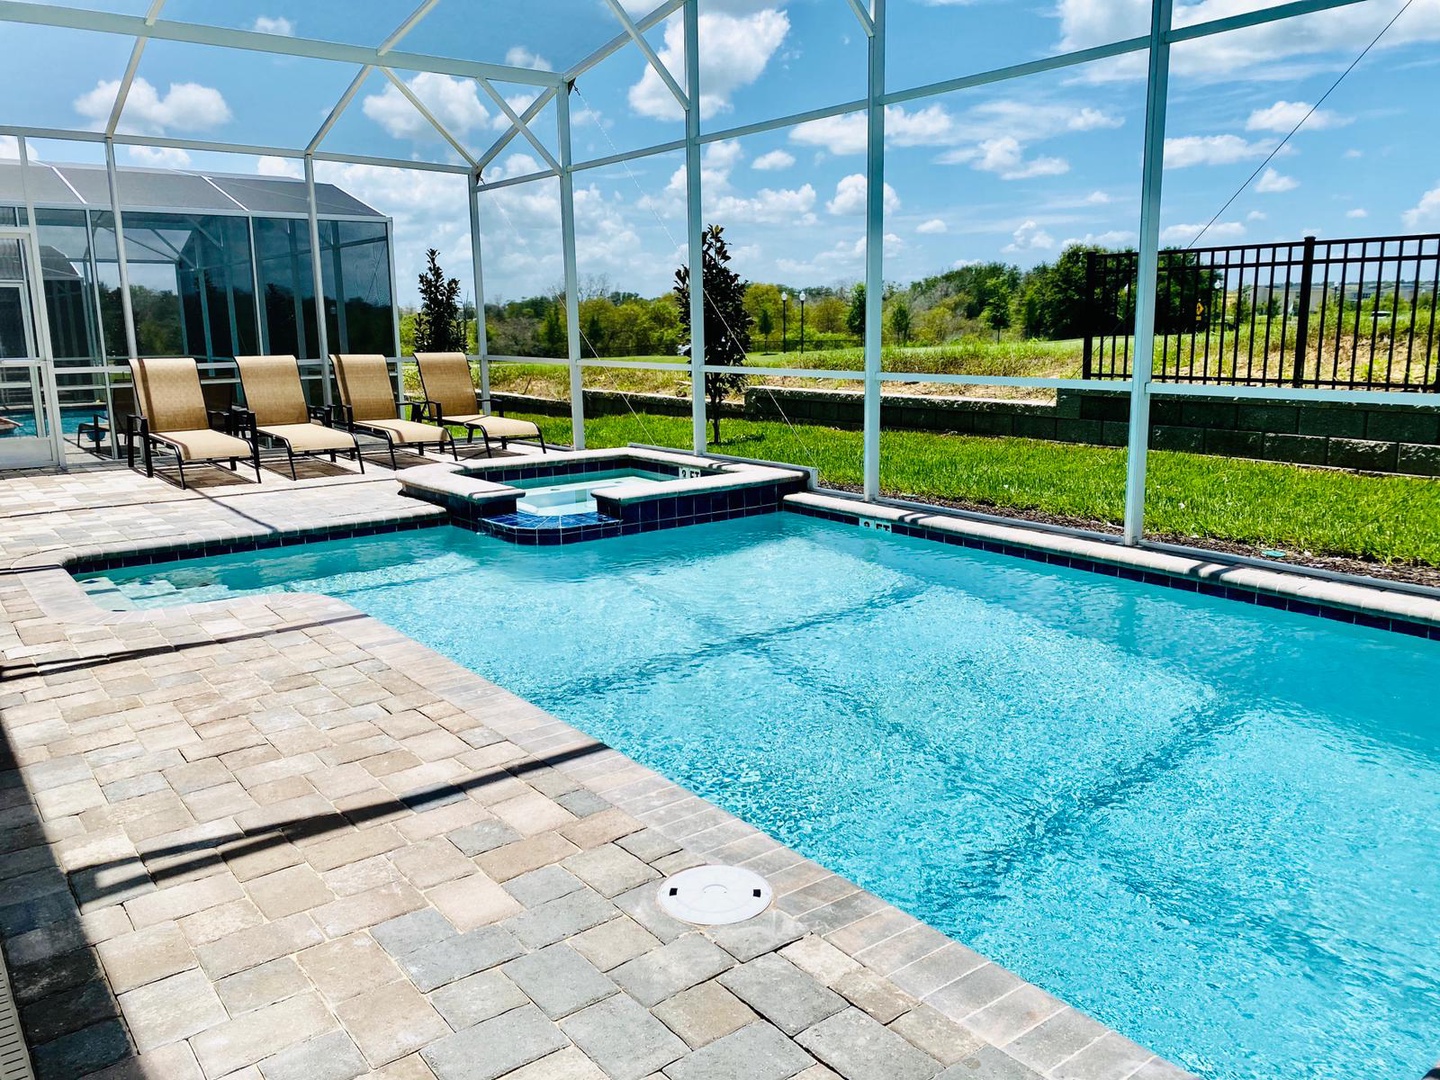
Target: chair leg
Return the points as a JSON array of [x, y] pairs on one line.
[[180, 462], [390, 442], [543, 448], [359, 458], [291, 451], [232, 465], [489, 451], [255, 458], [454, 450]]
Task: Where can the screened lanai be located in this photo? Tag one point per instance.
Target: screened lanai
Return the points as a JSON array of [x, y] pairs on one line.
[[542, 71]]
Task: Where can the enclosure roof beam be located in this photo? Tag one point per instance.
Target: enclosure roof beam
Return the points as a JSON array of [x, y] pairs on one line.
[[364, 73], [405, 27], [615, 44], [340, 107], [122, 92], [420, 107], [256, 150], [644, 46], [519, 124], [135, 26], [499, 145], [866, 22]]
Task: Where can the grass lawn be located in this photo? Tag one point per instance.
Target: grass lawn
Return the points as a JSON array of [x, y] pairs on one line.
[[1386, 518]]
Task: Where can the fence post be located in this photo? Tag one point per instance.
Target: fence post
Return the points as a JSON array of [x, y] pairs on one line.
[[1302, 318], [1090, 302]]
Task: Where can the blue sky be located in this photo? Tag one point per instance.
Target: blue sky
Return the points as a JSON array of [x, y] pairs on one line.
[[1011, 171]]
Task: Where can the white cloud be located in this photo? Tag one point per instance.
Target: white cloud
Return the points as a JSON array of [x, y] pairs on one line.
[[845, 256], [768, 206], [850, 196], [1352, 154], [737, 50], [1005, 156], [1269, 51], [774, 160], [185, 107], [1116, 238], [1425, 213], [1188, 150], [9, 147], [1257, 215], [1029, 237], [266, 24], [1275, 183], [520, 56], [1097, 198], [1284, 115], [933, 227], [159, 157], [1186, 234], [455, 102], [278, 166], [1357, 213]]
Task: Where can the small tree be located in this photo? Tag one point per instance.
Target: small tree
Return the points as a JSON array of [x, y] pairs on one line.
[[765, 324], [900, 321], [552, 331], [439, 324], [727, 324], [855, 317]]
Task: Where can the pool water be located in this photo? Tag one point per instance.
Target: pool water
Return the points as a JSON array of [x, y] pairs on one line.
[[1214, 827], [547, 498], [70, 421]]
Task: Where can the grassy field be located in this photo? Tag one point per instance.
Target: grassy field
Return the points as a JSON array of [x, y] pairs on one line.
[[1385, 518], [1035, 359]]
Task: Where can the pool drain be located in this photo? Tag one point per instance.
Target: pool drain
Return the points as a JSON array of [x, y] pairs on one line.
[[714, 895]]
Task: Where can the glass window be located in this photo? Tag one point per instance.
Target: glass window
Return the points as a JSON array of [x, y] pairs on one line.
[[287, 283], [356, 266]]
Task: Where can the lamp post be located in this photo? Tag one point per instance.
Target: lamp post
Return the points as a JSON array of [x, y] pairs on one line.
[[802, 323], [784, 311]]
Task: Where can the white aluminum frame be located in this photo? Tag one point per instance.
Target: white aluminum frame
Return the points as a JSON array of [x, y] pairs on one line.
[[556, 87]]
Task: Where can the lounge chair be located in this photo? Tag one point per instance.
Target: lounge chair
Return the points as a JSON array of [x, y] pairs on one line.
[[368, 405], [275, 407], [452, 399], [173, 416]]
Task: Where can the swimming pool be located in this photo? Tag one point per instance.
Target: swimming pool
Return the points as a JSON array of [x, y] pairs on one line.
[[1213, 826]]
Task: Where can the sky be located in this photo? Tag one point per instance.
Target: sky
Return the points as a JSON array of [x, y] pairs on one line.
[[1011, 171]]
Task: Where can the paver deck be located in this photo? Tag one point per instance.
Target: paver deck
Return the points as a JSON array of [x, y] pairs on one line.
[[272, 837]]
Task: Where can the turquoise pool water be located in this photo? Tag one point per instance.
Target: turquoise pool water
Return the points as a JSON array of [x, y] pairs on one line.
[[1214, 827]]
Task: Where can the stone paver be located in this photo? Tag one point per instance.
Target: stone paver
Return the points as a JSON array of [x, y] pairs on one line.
[[664, 972], [625, 1040], [559, 980], [782, 993], [859, 1048], [231, 845], [494, 1047], [755, 1052], [704, 1013]]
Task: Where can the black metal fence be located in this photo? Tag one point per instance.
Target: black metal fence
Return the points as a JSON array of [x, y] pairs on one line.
[[1354, 314]]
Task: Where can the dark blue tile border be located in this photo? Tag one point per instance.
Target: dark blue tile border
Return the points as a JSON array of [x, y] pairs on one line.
[[1149, 577], [205, 549]]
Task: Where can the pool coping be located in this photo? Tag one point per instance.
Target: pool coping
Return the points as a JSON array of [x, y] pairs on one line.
[[1374, 606]]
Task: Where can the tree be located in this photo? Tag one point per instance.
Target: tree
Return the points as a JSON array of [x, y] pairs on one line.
[[552, 332], [855, 317], [765, 324], [439, 325], [727, 324], [900, 321]]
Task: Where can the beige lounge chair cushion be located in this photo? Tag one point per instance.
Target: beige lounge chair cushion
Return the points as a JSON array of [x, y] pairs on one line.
[[407, 431], [446, 379], [273, 391], [168, 389], [203, 444], [307, 437], [498, 427], [365, 387]]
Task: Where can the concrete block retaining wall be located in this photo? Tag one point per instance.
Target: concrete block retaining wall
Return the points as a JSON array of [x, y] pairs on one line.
[[1378, 438]]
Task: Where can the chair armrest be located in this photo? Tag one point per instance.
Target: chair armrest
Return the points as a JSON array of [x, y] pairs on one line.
[[420, 410], [221, 420], [326, 415], [344, 413]]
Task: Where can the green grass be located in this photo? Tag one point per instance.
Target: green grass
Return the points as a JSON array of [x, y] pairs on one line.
[[1386, 518]]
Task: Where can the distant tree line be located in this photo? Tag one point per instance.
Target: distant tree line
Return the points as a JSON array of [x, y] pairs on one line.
[[981, 299]]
